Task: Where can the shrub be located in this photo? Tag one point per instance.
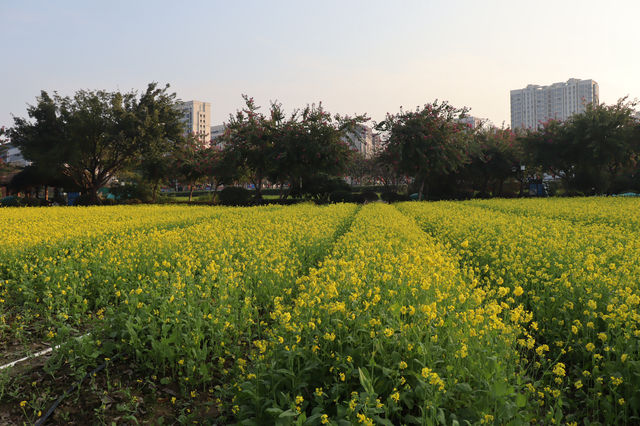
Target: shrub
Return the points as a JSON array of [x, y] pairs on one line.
[[11, 201], [358, 198], [234, 196], [129, 191], [84, 200], [320, 186], [370, 196], [34, 202], [340, 196], [389, 196]]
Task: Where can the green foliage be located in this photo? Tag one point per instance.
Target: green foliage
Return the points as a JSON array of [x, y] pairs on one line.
[[340, 196], [137, 190], [318, 187], [234, 196], [297, 150], [370, 196], [427, 143], [591, 151], [11, 201], [96, 134], [312, 143], [250, 138]]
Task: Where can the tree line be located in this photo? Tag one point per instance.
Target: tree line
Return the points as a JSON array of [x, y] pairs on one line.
[[96, 138]]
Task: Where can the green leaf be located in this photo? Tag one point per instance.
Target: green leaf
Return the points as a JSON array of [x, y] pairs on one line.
[[288, 413], [274, 411], [365, 381]]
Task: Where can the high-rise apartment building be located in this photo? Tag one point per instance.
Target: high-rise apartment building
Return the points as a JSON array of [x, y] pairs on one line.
[[533, 105], [197, 118]]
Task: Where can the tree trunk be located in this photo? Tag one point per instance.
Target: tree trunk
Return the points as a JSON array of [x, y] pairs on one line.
[[93, 196], [421, 189], [190, 192], [258, 185], [46, 192], [154, 193]]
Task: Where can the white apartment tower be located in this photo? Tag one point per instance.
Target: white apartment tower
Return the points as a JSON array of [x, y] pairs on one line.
[[197, 118], [533, 105]]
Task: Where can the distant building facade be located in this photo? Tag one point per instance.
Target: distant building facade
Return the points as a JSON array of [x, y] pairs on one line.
[[13, 156], [196, 116], [216, 132], [472, 122], [533, 105], [361, 139]]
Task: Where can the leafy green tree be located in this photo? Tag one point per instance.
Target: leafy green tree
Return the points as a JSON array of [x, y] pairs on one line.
[[219, 169], [311, 144], [427, 143], [155, 169], [385, 168], [190, 163], [497, 157], [249, 140], [590, 150], [603, 143], [96, 134]]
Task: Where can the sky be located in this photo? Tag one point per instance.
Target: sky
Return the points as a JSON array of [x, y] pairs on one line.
[[355, 57]]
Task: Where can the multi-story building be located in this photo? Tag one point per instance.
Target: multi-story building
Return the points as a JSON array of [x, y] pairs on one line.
[[197, 118], [472, 122], [361, 139], [534, 105], [216, 132]]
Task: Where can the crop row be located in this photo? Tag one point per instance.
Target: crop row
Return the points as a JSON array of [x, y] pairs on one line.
[[579, 281], [611, 211]]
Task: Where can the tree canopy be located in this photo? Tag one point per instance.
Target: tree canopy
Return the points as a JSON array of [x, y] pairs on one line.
[[301, 147], [427, 143], [95, 134], [591, 150]]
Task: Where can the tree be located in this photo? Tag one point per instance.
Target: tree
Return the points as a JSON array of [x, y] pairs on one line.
[[427, 143], [590, 150], [249, 139], [155, 169], [3, 150], [603, 144], [219, 168], [385, 167], [96, 134], [190, 161], [496, 157], [310, 144]]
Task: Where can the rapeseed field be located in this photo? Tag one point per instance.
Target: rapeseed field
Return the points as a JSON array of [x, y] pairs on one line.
[[479, 312]]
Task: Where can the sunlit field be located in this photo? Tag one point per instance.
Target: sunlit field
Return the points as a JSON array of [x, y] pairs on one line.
[[486, 312]]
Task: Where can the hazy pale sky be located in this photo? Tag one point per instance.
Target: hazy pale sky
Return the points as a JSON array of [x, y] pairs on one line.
[[355, 56]]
